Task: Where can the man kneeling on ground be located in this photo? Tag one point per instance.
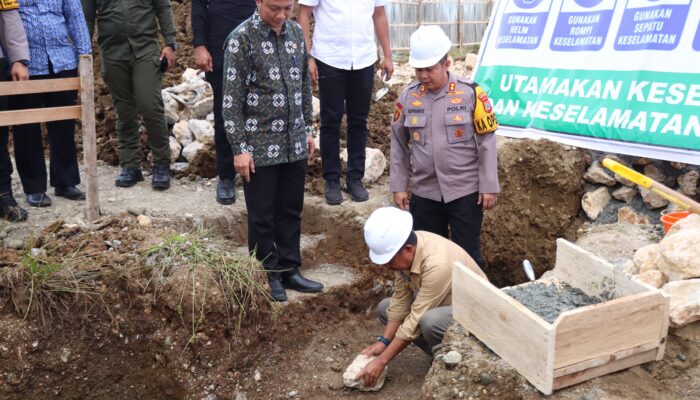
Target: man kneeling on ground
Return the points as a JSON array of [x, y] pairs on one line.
[[420, 309]]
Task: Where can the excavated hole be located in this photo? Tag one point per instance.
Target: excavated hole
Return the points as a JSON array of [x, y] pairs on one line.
[[136, 347]]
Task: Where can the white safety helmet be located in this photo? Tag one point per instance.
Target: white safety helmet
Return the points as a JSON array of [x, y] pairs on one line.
[[386, 230], [429, 44]]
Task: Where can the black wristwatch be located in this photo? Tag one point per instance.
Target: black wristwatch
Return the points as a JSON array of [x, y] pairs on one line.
[[172, 45], [383, 340]]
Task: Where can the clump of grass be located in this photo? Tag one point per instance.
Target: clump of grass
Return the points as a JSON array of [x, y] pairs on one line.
[[240, 279], [44, 286]]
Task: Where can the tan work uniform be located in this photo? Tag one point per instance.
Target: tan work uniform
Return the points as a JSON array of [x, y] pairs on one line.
[[425, 288], [435, 136]]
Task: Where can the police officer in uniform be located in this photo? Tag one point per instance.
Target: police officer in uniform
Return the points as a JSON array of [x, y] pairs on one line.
[[15, 53], [443, 143]]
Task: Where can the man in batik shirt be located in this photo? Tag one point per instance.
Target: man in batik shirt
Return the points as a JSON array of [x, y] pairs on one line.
[[267, 116]]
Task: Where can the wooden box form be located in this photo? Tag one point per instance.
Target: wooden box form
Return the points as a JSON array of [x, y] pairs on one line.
[[581, 344]]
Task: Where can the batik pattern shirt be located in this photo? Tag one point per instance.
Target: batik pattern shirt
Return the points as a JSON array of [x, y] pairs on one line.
[[267, 93], [56, 32]]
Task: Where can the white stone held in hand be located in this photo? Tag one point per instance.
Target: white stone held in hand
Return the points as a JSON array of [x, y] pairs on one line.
[[353, 369]]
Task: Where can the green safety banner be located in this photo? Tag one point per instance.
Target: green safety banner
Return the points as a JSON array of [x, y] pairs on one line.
[[612, 75]]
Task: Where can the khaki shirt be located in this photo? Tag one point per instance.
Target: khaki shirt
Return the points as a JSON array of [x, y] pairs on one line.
[[434, 142], [428, 284]]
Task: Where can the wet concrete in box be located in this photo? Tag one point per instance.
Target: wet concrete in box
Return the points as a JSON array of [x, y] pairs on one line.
[[550, 300]]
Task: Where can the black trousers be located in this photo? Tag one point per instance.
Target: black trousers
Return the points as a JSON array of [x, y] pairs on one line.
[[274, 198], [5, 162], [224, 153], [459, 220], [29, 148], [344, 92]]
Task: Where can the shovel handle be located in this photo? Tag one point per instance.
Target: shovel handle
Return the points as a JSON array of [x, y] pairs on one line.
[[673, 196], [644, 181]]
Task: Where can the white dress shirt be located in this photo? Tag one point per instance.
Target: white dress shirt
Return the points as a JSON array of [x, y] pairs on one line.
[[344, 32]]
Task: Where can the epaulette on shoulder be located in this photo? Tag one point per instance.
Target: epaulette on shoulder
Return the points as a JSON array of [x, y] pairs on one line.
[[410, 87], [7, 5], [471, 84], [413, 84]]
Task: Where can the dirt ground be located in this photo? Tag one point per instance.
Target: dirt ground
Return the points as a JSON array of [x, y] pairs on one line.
[[483, 375], [131, 340], [135, 341], [131, 329]]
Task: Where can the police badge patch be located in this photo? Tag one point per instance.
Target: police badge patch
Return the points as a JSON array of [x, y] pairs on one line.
[[397, 111], [484, 119]]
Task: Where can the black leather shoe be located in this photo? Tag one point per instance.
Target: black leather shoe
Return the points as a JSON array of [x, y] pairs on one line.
[[277, 292], [226, 192], [69, 192], [10, 211], [161, 177], [333, 194], [128, 177], [293, 280], [357, 190], [38, 200]]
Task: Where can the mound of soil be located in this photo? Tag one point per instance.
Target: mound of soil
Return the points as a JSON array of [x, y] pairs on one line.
[[140, 334], [541, 189]]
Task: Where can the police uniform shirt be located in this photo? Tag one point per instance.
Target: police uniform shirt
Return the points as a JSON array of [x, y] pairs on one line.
[[12, 36], [444, 142]]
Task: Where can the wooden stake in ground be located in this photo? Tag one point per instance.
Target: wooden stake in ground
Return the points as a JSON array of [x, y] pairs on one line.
[[85, 111], [87, 101]]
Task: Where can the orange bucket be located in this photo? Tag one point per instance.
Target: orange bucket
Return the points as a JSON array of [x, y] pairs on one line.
[[671, 218]]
